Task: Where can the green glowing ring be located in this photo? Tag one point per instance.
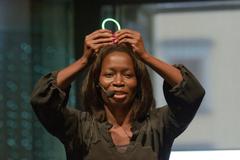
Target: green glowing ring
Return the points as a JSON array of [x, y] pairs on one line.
[[112, 20]]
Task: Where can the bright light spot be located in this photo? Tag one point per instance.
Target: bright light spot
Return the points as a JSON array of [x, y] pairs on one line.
[[206, 155]]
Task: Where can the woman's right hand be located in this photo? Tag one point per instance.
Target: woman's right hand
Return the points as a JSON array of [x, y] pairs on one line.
[[94, 41]]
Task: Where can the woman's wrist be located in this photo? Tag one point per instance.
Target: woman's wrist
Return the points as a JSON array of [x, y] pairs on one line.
[[145, 57], [82, 62]]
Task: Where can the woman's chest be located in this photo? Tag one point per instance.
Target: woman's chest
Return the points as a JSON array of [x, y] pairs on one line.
[[121, 135], [135, 151]]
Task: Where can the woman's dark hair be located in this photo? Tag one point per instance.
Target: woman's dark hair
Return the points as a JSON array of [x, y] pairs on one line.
[[92, 99]]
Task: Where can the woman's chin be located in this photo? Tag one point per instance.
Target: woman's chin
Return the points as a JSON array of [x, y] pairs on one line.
[[120, 102]]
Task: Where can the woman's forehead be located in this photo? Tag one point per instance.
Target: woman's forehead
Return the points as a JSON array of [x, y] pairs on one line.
[[118, 58]]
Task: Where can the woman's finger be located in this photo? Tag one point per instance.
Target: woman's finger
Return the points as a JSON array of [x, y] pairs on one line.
[[100, 33], [125, 31], [90, 41], [125, 36], [135, 36], [103, 40], [127, 40], [97, 47]]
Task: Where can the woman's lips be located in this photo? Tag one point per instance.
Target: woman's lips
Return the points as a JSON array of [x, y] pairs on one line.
[[120, 95]]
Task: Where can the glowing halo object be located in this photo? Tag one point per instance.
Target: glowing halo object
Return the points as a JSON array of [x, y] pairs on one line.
[[112, 20]]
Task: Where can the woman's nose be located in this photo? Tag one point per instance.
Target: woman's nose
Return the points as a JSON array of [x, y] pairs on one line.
[[118, 81]]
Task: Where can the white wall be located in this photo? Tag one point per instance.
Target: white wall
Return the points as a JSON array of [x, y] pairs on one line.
[[218, 126]]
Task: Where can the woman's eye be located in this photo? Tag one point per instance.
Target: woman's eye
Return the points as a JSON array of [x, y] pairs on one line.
[[128, 75], [108, 75]]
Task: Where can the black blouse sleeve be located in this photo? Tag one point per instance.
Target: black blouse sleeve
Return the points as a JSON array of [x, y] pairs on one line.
[[183, 101], [49, 104]]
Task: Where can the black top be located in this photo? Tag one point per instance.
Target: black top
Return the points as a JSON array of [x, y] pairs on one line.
[[86, 138]]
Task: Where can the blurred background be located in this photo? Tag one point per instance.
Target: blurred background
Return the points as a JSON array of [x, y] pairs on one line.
[[40, 36]]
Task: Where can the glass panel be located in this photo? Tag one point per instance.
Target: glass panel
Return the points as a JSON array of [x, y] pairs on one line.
[[35, 38]]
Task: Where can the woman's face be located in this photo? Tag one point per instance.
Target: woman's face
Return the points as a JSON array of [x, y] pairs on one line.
[[118, 75]]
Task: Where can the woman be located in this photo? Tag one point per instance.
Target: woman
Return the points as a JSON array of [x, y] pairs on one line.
[[121, 121]]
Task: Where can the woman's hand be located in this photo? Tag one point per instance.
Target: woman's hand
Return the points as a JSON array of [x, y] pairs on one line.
[[134, 38], [94, 41]]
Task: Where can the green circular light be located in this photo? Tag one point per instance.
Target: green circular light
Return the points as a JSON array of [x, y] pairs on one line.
[[112, 20]]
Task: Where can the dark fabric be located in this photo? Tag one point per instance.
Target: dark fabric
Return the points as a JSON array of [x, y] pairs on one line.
[[85, 138]]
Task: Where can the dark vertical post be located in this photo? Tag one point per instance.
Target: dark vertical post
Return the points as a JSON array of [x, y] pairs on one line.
[[86, 20]]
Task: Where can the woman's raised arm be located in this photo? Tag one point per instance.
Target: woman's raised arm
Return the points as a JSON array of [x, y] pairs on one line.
[[169, 73], [92, 43]]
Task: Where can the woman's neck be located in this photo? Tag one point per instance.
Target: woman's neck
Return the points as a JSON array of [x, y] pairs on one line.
[[118, 116]]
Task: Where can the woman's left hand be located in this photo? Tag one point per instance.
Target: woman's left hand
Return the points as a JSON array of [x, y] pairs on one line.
[[134, 38]]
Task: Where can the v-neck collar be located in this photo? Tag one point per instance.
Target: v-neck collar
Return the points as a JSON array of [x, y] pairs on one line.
[[105, 126]]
